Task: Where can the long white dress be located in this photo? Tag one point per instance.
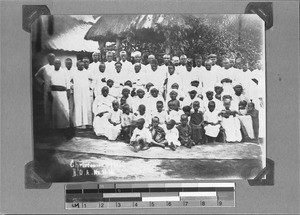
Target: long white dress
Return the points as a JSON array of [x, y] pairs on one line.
[[157, 78], [212, 130], [43, 77], [232, 128], [82, 102], [113, 131], [60, 104], [102, 104]]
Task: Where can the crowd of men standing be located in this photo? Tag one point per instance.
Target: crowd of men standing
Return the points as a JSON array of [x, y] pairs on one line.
[[114, 97]]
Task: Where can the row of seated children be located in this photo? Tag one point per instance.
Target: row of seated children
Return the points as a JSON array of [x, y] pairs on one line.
[[114, 122]]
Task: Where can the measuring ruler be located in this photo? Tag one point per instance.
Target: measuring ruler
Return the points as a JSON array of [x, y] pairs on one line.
[[149, 195]]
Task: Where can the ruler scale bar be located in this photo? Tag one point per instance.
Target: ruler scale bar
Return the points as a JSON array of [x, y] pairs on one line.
[[149, 195]]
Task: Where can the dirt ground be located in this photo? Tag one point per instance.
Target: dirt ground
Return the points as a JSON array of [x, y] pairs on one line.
[[85, 157]]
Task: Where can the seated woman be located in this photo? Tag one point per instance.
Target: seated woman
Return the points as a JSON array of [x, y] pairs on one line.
[[211, 122], [230, 122], [101, 107]]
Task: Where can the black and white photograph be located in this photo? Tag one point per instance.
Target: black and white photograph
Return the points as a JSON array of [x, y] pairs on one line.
[[148, 97]]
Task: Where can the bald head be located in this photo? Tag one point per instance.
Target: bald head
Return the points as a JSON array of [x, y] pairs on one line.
[[57, 64]]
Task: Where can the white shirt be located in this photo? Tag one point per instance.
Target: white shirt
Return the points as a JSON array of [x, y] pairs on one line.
[[143, 133], [43, 76]]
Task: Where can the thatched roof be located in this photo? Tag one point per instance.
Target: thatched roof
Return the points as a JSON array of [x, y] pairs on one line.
[[68, 34], [109, 27]]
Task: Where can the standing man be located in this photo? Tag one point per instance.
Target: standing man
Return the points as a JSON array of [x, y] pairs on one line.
[[69, 73], [109, 64], [60, 91], [43, 78], [199, 70], [164, 67], [127, 67], [90, 74]]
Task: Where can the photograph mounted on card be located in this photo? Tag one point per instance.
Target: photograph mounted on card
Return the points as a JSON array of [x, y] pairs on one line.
[[148, 97]]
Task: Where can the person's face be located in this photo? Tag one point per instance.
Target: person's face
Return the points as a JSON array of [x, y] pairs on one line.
[[245, 67], [250, 107], [176, 63], [154, 67], [137, 59], [155, 122], [188, 113], [214, 61], [68, 64], [57, 65], [238, 89], [189, 68], [159, 107], [105, 92], [211, 107], [239, 66], [140, 125], [109, 58], [171, 70], [102, 68], [142, 110], [140, 94], [171, 106], [218, 90], [242, 107], [198, 62], [218, 96], [208, 66], [86, 64], [150, 59], [126, 111], [170, 126], [137, 69], [210, 96], [258, 66], [128, 83], [123, 57], [183, 61], [192, 94], [118, 68], [226, 64], [227, 104], [125, 93], [80, 65], [184, 121], [148, 86], [166, 60], [95, 58], [173, 95], [115, 106], [51, 59], [231, 63], [195, 84], [123, 101], [196, 107], [154, 93], [110, 83]]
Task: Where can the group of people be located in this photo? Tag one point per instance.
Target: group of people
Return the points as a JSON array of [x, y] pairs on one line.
[[146, 105]]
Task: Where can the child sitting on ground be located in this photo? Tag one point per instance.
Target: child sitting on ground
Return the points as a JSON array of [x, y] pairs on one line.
[[172, 135], [185, 132], [114, 118], [141, 137], [196, 124], [158, 133], [126, 121], [212, 122]]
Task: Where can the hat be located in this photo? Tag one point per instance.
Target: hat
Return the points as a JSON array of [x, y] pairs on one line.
[[166, 56], [140, 89], [212, 56], [218, 84], [118, 63], [141, 120], [137, 54], [137, 64], [151, 56], [183, 57], [208, 61], [123, 53], [109, 53], [175, 59], [192, 88]]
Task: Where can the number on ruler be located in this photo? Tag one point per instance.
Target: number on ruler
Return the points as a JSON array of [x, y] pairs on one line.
[[152, 204], [135, 204], [101, 205], [169, 203], [220, 203], [118, 204], [185, 203], [75, 205], [202, 203]]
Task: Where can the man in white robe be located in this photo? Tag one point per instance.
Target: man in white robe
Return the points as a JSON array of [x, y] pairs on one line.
[[172, 78], [210, 77], [182, 65], [82, 102], [226, 77], [155, 76], [110, 65], [60, 91], [91, 76], [43, 78], [69, 70], [100, 79], [199, 71], [138, 78], [127, 67], [164, 66]]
